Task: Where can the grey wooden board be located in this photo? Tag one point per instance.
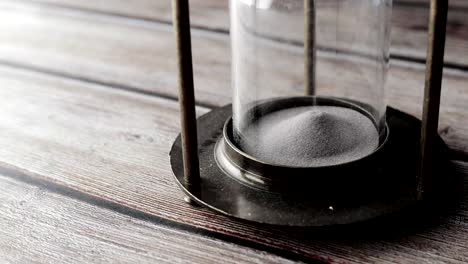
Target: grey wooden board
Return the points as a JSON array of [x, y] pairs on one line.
[[453, 3], [409, 31], [140, 56], [40, 226], [113, 145]]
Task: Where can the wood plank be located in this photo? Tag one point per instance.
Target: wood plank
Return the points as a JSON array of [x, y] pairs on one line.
[[140, 56], [453, 3], [409, 32], [114, 145], [39, 226], [205, 13]]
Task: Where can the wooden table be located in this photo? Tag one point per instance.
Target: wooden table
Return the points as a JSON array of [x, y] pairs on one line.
[[88, 114]]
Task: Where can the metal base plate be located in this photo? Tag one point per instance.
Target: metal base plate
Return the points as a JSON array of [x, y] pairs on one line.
[[391, 188]]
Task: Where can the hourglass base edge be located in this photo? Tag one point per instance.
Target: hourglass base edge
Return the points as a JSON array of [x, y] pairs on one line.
[[380, 184]]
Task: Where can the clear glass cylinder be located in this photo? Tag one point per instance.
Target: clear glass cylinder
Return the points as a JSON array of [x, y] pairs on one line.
[[308, 78]]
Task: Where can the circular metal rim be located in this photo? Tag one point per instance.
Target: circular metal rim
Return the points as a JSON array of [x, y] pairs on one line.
[[228, 196], [257, 174], [322, 100], [272, 177]]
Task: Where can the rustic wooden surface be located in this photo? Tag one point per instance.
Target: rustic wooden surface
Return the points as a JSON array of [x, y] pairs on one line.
[[45, 225], [88, 109], [408, 32]]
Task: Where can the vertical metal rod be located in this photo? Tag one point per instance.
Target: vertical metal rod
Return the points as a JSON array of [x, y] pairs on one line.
[[432, 92], [309, 46], [181, 18]]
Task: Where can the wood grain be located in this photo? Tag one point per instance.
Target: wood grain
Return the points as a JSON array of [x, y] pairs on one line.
[[409, 31], [39, 226], [113, 145], [140, 56], [453, 3]]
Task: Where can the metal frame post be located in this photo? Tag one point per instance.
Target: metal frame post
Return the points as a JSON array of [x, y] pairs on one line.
[[432, 92], [181, 18], [309, 46]]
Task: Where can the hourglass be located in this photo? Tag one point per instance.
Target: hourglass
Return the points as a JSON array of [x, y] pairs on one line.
[[308, 139]]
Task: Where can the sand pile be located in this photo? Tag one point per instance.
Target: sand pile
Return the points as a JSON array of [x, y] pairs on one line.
[[311, 136]]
